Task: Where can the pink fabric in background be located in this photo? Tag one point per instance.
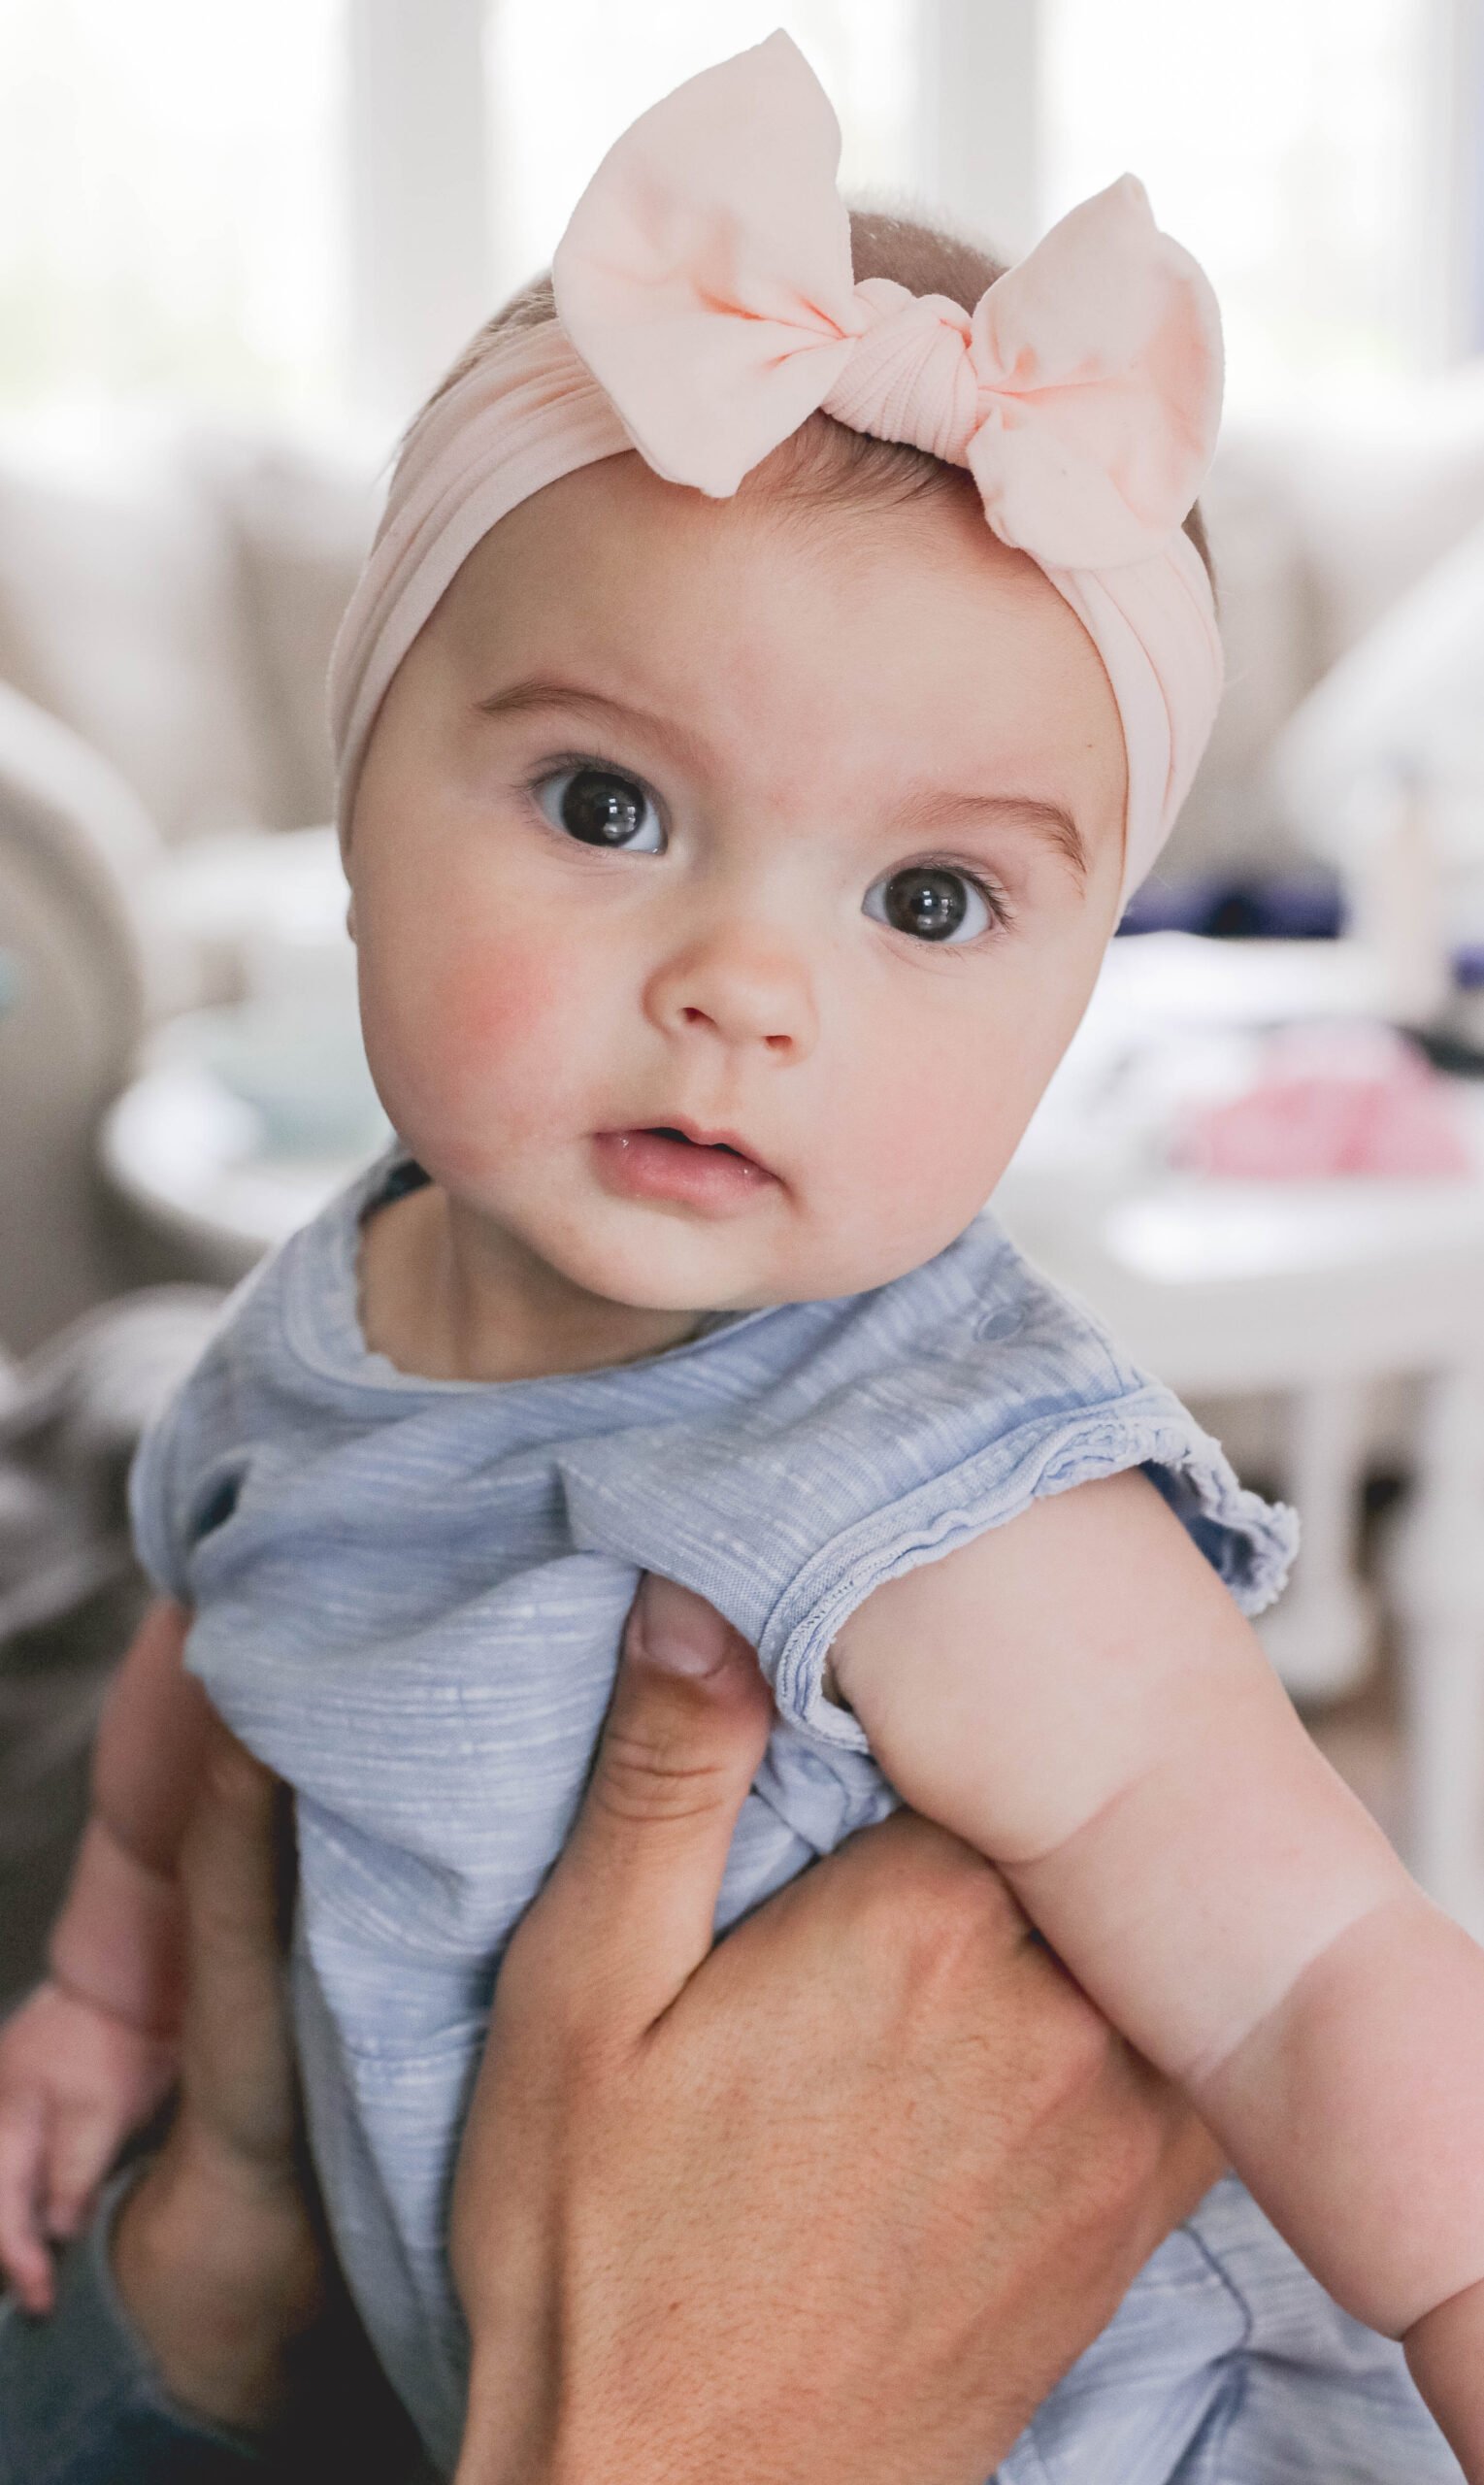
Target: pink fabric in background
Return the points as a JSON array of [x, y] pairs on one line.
[[1331, 1101]]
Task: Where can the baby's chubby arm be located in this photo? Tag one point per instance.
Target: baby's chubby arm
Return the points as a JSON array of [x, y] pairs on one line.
[[91, 2053], [117, 1941], [1076, 1695]]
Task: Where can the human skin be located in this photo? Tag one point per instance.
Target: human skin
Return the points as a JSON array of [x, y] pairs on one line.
[[815, 702], [93, 2052], [218, 2254], [827, 697], [982, 2168], [1213, 1884], [819, 692]]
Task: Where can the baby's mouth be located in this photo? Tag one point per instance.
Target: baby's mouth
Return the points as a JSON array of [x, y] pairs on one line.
[[682, 1139], [701, 1168], [693, 1136]]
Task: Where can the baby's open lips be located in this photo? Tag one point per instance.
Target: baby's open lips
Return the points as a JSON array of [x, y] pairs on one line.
[[683, 1134], [705, 1172]]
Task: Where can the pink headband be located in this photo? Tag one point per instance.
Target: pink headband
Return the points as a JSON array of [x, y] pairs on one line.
[[708, 307]]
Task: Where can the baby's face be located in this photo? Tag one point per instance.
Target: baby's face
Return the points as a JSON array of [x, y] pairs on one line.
[[689, 822]]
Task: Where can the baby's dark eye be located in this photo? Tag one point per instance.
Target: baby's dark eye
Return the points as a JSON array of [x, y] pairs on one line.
[[599, 808], [930, 902]]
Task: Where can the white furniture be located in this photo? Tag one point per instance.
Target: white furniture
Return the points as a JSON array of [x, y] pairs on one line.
[[186, 1156], [242, 1118]]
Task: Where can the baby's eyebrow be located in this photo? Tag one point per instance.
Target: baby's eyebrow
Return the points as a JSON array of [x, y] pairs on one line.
[[544, 690], [937, 811]]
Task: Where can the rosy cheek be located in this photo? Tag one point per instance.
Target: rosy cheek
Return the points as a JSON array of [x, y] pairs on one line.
[[473, 1038], [498, 1002]]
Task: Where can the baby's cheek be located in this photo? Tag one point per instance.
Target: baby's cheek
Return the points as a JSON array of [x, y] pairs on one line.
[[945, 1111], [474, 1031], [920, 1140], [494, 1009]]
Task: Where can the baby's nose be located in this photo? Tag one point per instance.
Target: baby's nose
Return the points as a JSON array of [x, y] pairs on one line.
[[746, 988]]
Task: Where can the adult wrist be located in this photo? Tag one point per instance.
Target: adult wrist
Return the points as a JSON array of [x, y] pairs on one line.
[[510, 2439], [501, 2444]]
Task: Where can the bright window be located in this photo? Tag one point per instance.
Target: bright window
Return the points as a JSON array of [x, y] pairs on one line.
[[174, 178], [168, 203], [567, 75], [1293, 146]]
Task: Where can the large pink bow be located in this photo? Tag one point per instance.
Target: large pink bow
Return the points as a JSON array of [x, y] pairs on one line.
[[706, 280]]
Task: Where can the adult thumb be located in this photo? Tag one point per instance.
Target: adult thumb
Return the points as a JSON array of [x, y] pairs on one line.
[[626, 1916]]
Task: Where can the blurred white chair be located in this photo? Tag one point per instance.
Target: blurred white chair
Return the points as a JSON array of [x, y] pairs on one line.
[[75, 850]]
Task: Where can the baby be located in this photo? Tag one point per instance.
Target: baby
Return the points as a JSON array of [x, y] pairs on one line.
[[771, 674]]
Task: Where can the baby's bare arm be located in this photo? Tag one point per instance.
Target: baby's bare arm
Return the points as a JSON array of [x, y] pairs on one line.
[[89, 2055], [1077, 1695], [118, 1941]]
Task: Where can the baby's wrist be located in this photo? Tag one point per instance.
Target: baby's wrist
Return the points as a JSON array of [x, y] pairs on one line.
[[119, 1943]]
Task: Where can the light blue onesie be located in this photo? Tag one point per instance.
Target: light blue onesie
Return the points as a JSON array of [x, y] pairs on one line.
[[409, 1596]]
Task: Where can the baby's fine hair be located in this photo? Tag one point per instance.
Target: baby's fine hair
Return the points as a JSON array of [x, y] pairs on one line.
[[825, 461]]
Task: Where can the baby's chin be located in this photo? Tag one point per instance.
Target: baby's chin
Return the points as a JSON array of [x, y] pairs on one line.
[[667, 1270], [678, 1267]]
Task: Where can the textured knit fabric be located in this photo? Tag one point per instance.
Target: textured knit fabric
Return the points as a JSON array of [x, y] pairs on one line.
[[408, 1597]]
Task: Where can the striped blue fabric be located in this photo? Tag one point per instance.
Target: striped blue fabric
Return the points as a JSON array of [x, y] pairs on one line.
[[409, 1596]]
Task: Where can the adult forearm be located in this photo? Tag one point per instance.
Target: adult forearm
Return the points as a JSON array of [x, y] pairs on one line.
[[628, 2434]]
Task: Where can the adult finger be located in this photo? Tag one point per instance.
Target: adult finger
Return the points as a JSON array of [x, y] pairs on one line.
[[227, 1862], [236, 2067], [627, 1915]]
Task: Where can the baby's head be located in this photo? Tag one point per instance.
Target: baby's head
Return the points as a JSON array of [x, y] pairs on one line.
[[731, 872]]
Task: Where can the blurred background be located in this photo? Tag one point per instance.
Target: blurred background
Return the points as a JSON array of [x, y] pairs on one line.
[[237, 243]]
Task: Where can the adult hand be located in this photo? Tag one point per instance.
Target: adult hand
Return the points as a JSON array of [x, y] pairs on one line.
[[844, 2196]]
